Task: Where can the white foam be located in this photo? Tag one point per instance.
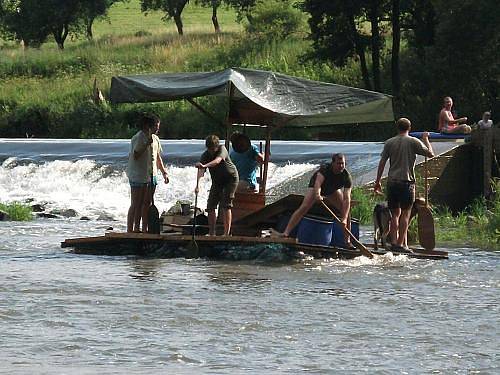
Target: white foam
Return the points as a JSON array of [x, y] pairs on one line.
[[91, 189]]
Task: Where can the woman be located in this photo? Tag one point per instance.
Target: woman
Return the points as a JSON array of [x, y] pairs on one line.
[[143, 163]]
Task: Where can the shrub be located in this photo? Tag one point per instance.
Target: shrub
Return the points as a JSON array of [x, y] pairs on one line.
[[17, 211], [275, 19]]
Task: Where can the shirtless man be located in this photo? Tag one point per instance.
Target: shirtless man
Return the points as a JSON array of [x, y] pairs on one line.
[[333, 183], [449, 124]]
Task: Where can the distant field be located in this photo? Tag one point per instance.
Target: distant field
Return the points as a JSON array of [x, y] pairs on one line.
[[127, 18]]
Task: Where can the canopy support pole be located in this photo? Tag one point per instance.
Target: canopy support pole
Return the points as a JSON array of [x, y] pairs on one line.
[[204, 111], [267, 153], [230, 89]]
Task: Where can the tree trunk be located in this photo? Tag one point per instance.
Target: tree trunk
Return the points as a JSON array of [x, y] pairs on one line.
[[215, 21], [396, 41], [375, 41], [360, 50], [178, 23], [60, 35], [88, 29]]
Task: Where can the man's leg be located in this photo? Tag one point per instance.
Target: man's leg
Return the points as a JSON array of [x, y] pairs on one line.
[[227, 219], [214, 197], [148, 192], [394, 226], [212, 218], [306, 205], [404, 221], [135, 210]]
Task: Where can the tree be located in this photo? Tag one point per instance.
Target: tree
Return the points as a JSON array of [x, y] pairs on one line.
[[94, 9], [172, 8], [20, 20], [32, 21], [214, 4], [337, 34], [275, 19], [243, 8]]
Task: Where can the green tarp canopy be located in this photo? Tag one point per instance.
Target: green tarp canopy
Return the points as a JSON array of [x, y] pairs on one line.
[[260, 97]]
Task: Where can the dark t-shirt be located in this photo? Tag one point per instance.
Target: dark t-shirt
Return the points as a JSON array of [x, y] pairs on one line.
[[224, 171], [332, 181]]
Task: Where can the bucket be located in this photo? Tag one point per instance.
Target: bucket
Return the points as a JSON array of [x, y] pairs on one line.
[[338, 233], [314, 231]]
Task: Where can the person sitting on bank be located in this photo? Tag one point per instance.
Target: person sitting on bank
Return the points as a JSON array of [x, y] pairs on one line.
[[246, 157], [224, 182], [448, 124], [332, 183], [485, 122]]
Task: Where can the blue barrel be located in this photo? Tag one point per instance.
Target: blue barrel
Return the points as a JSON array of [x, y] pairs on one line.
[[338, 233], [314, 231]]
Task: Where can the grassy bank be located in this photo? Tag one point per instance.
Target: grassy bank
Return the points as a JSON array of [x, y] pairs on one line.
[[476, 226], [17, 211], [47, 92]]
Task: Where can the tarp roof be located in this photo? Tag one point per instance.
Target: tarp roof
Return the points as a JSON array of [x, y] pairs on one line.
[[261, 97]]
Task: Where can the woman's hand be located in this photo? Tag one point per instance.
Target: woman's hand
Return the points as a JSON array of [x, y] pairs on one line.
[[200, 166]]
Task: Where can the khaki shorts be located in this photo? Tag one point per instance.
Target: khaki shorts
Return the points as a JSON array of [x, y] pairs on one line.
[[222, 194]]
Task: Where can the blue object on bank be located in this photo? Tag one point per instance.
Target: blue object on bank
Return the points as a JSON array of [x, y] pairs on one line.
[[314, 231]]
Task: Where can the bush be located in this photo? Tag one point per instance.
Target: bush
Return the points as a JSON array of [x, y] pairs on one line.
[[275, 19], [17, 211]]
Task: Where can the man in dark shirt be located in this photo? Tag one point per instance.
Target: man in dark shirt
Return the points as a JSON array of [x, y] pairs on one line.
[[224, 182], [333, 183]]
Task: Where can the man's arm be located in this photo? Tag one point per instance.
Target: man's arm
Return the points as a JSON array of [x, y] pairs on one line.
[[425, 139], [317, 186], [449, 118], [381, 165], [346, 205]]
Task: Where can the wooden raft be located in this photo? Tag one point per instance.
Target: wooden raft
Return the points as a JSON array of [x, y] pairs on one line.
[[169, 246]]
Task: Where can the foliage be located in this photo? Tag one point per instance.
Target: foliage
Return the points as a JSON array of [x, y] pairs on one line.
[[363, 204], [32, 21], [17, 211], [478, 225], [275, 19], [462, 63], [24, 20]]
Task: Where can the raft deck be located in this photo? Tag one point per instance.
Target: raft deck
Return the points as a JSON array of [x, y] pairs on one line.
[[218, 247]]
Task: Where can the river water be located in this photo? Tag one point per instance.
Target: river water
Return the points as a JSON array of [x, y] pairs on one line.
[[66, 313]]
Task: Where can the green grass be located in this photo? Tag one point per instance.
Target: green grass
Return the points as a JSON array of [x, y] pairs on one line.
[[17, 211]]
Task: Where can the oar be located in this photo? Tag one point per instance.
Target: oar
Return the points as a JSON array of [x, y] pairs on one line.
[[362, 248], [192, 247], [426, 235]]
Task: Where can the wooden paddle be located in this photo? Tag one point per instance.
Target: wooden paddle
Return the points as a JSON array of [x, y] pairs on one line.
[[192, 250], [153, 214], [362, 248], [426, 234]]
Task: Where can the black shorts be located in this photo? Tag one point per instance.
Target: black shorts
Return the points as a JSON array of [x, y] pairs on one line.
[[400, 194]]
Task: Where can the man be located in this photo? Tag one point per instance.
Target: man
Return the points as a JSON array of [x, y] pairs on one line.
[[224, 182], [401, 151], [333, 183], [246, 157], [449, 124]]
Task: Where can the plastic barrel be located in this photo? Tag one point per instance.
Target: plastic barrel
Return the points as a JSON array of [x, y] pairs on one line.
[[338, 233], [314, 231]]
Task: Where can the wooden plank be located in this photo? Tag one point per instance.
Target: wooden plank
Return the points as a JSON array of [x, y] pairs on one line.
[[82, 240], [185, 238]]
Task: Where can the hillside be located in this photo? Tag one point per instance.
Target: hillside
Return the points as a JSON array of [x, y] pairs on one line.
[[46, 92]]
